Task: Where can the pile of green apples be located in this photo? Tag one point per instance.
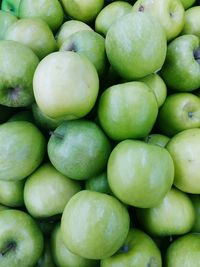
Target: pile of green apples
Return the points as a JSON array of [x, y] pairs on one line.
[[99, 133]]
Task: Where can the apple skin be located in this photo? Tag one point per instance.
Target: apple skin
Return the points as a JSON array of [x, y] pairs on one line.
[[11, 193], [140, 174], [139, 249], [192, 21], [34, 33], [47, 185], [71, 92], [184, 149], [180, 111], [169, 13], [127, 110], [16, 83], [6, 19], [136, 45], [157, 139], [103, 227], [184, 251], [187, 3], [98, 183], [49, 11], [109, 14], [24, 145], [90, 44], [174, 215], [196, 203], [85, 11], [64, 257], [3, 207], [11, 6], [21, 240], [181, 70]]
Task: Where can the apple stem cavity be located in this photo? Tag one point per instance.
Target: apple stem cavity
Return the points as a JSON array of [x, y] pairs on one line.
[[8, 247], [70, 47], [56, 134], [197, 55], [141, 8], [14, 92]]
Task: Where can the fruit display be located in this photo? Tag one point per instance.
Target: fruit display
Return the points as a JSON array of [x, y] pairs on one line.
[[99, 133]]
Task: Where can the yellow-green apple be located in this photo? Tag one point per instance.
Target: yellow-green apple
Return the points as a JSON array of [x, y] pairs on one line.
[[12, 193], [188, 3], [6, 20], [192, 21]]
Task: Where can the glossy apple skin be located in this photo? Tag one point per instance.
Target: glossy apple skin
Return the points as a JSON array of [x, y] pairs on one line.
[[21, 236], [138, 250], [192, 21], [181, 70], [140, 174], [98, 183], [136, 51], [94, 225], [6, 20], [11, 193], [11, 6], [187, 3], [157, 139]]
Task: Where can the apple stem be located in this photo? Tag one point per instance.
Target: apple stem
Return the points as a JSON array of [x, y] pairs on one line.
[[124, 249], [141, 8], [7, 248], [58, 135], [197, 55]]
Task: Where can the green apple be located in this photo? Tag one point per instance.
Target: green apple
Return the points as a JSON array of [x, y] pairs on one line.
[[98, 183], [90, 44], [169, 13], [174, 215], [184, 251], [136, 51], [157, 139], [23, 115], [47, 224], [79, 149], [69, 27], [102, 229], [47, 185], [46, 259], [109, 14], [17, 64], [138, 250], [85, 11], [6, 20], [180, 111], [21, 242], [184, 148], [62, 256], [71, 83], [11, 193], [3, 207], [196, 203], [192, 21], [181, 70], [127, 110], [188, 3], [49, 11], [140, 174], [34, 33], [157, 85], [11, 6], [22, 148]]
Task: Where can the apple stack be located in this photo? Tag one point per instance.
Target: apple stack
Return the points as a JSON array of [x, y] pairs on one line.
[[99, 133]]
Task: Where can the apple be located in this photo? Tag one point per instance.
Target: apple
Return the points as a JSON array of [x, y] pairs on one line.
[[192, 21], [187, 3], [136, 51], [62, 256], [46, 259], [79, 149], [196, 203], [17, 64], [49, 11], [22, 148], [47, 185], [6, 19], [34, 33], [184, 149], [90, 44], [138, 250], [71, 83], [169, 13], [11, 6], [21, 242], [157, 139], [127, 110], [3, 207], [102, 229], [180, 111], [109, 14], [157, 85], [69, 27], [11, 193], [184, 251], [85, 11], [174, 215], [140, 174], [98, 183], [181, 70]]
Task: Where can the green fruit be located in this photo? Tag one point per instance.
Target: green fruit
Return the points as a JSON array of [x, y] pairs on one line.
[[98, 183], [6, 20], [11, 193]]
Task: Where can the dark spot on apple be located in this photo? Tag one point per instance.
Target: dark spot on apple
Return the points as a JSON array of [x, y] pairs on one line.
[[196, 54], [171, 14], [14, 92], [124, 249], [56, 134], [70, 47], [141, 8], [152, 262], [190, 114], [10, 245]]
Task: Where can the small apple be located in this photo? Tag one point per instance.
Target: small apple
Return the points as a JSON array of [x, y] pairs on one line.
[[11, 193], [157, 139], [11, 6], [109, 14], [85, 11], [187, 3], [140, 174], [21, 242], [196, 203], [98, 183], [181, 70], [6, 20], [192, 21], [47, 185], [136, 51], [22, 148], [49, 11], [102, 229], [34, 33], [71, 83], [46, 259]]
